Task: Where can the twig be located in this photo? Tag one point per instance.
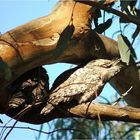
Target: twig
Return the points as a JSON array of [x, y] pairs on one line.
[[122, 96]]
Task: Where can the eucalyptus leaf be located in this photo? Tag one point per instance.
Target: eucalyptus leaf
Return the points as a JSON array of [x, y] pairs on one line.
[[5, 70], [132, 51], [65, 37], [123, 49]]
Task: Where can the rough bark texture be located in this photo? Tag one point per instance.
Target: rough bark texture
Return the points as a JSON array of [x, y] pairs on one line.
[[35, 43]]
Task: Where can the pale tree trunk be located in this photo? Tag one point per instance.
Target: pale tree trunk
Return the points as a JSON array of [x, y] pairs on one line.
[[34, 44]]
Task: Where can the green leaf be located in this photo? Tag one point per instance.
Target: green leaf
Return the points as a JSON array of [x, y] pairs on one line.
[[132, 51], [5, 70], [63, 40], [123, 49]]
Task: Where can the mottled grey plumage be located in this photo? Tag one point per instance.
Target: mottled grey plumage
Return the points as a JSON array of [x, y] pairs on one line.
[[29, 88], [82, 84]]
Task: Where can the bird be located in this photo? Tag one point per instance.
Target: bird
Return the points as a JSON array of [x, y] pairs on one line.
[[31, 87], [81, 84]]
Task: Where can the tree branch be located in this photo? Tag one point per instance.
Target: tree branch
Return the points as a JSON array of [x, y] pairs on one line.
[[107, 112]]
